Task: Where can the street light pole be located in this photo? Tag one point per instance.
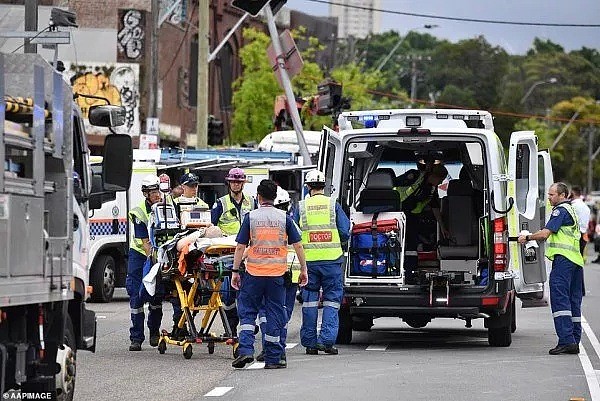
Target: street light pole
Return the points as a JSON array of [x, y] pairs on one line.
[[535, 84], [566, 127], [397, 45]]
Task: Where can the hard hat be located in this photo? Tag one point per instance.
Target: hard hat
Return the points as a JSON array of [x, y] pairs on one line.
[[236, 174], [189, 179], [150, 182], [283, 197], [315, 177]]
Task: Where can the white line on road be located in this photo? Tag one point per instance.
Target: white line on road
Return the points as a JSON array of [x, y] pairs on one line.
[[256, 365], [218, 391], [377, 347], [101, 317], [590, 374], [290, 345]]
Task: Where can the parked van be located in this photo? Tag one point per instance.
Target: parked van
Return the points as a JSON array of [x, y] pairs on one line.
[[485, 201]]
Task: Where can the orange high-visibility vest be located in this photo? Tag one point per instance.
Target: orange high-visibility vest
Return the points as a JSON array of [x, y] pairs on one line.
[[267, 255]]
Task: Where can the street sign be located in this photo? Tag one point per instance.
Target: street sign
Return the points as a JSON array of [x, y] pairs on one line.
[[291, 55], [148, 141], [152, 126]]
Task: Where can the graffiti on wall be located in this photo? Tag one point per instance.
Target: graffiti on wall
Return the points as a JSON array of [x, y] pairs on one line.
[[130, 38], [118, 83]]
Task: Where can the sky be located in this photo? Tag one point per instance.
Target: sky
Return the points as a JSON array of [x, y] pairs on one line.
[[513, 38]]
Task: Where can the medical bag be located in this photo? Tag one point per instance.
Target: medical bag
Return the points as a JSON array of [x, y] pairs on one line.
[[375, 248]]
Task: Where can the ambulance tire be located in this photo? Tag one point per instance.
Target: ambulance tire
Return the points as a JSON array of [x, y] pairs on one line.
[[513, 324], [344, 335], [500, 329], [102, 279], [362, 323]]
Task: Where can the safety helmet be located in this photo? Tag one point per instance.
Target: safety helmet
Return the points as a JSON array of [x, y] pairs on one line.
[[236, 174], [282, 198], [188, 179], [315, 177], [150, 182]]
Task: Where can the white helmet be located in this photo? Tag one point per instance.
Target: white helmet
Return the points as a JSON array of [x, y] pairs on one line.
[[315, 177], [150, 182], [283, 197]]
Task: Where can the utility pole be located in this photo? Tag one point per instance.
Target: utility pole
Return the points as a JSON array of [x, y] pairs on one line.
[[287, 85], [413, 82], [31, 23], [590, 168], [153, 90], [202, 93]]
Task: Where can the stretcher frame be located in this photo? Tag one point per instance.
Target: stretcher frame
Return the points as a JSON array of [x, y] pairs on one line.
[[213, 277]]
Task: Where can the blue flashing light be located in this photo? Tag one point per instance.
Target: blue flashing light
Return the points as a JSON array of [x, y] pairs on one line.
[[370, 123]]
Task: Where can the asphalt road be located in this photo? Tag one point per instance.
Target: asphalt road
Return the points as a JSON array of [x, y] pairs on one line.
[[443, 361]]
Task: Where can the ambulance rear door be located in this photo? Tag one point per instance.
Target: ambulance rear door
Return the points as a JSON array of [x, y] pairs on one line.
[[526, 187]]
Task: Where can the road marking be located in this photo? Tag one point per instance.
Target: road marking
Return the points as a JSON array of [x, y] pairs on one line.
[[256, 365], [377, 347], [101, 317], [218, 391], [290, 345], [590, 374]]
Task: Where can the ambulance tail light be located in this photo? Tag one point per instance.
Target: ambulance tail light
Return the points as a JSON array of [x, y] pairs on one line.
[[500, 244]]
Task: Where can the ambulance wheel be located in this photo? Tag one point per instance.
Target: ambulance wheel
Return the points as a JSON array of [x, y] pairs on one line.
[[344, 335], [235, 350], [362, 323], [187, 351], [162, 346], [103, 278], [513, 325], [211, 348], [417, 322]]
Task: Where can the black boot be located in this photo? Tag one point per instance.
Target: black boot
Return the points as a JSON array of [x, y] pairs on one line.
[[565, 349], [135, 346], [241, 361], [330, 349]]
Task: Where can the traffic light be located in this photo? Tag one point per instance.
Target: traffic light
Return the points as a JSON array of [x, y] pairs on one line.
[[216, 131], [253, 7]]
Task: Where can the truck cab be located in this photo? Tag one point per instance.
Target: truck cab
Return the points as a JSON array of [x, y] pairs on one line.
[[463, 265]]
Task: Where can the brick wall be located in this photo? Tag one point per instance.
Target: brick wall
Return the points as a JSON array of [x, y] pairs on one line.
[[101, 13]]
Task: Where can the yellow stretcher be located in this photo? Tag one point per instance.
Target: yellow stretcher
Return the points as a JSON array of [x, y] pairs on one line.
[[206, 271]]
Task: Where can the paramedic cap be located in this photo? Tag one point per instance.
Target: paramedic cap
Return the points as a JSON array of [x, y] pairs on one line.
[[267, 189], [188, 179]]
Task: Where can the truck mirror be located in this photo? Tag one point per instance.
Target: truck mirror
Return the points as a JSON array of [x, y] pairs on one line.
[[107, 115], [117, 162]]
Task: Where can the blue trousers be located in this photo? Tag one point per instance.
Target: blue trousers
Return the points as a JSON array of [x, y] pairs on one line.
[[329, 277], [290, 300], [229, 296], [566, 292], [253, 291], [133, 283]]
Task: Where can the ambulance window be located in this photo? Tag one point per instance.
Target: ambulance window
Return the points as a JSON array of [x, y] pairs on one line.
[[541, 178], [522, 176], [475, 153], [329, 167]]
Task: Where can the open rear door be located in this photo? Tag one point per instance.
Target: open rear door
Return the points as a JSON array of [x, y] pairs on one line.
[[329, 161], [526, 187]]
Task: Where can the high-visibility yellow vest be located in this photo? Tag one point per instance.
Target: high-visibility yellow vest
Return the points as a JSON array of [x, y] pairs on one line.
[[320, 236], [565, 241], [140, 212], [406, 192], [267, 254], [230, 220]]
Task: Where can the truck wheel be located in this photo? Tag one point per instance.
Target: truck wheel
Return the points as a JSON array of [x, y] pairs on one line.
[[67, 359], [344, 335], [362, 323], [501, 335], [102, 278]]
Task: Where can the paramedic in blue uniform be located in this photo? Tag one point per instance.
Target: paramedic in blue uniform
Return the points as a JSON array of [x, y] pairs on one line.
[[324, 227], [419, 189], [228, 213], [139, 251], [267, 232], [566, 279]]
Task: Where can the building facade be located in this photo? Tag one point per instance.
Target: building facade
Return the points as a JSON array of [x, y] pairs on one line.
[[356, 22]]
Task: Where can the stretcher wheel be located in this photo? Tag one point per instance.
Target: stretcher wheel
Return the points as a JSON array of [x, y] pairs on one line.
[[187, 351], [162, 346], [211, 348], [235, 347]]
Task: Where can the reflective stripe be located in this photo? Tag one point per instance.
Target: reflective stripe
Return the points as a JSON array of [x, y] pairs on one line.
[[561, 313], [154, 307], [229, 307], [411, 253], [247, 327], [286, 326], [262, 319], [135, 311], [272, 339], [576, 319], [311, 304], [331, 304], [320, 245]]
